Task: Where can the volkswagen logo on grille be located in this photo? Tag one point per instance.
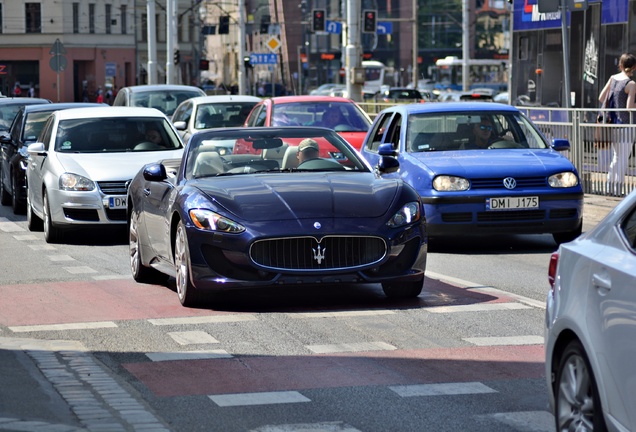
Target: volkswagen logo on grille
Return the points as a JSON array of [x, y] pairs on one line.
[[317, 225], [509, 183]]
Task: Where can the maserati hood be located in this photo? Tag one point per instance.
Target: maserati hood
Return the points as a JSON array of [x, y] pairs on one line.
[[267, 197]]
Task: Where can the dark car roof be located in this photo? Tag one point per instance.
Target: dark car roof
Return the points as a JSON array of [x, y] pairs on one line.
[[23, 101], [454, 107]]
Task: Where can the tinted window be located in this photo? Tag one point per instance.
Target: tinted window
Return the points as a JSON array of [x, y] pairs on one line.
[[629, 228]]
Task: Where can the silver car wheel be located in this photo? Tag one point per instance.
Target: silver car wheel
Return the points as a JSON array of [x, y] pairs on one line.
[[577, 404], [181, 263], [133, 242], [51, 233]]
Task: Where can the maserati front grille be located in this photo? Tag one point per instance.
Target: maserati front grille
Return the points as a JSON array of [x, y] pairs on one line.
[[312, 254]]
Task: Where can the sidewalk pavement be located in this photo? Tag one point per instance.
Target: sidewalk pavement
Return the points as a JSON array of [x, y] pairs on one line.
[[55, 386]]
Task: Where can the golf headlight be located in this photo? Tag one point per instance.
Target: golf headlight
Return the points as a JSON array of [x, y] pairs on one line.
[[563, 180], [446, 183], [74, 182]]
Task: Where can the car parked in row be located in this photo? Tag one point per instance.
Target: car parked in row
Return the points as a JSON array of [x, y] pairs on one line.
[[245, 220], [402, 95], [340, 114], [207, 112], [80, 168], [9, 107], [481, 168], [164, 97], [25, 129], [591, 326]]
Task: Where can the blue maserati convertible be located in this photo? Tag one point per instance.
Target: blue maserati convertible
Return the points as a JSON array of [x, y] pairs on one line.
[[481, 168], [287, 205]]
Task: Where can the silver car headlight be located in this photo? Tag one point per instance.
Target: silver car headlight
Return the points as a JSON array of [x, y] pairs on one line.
[[210, 221], [563, 180], [408, 214], [75, 182], [446, 183]]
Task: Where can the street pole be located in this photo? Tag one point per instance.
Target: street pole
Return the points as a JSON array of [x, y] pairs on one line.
[[241, 42], [465, 46], [171, 6], [152, 42], [566, 55], [351, 51], [415, 45]]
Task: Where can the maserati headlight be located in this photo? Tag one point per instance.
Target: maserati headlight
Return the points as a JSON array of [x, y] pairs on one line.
[[210, 221], [563, 180], [410, 213], [74, 182], [446, 183]]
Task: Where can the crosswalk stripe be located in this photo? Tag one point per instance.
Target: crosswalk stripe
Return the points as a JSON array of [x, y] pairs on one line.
[[203, 319], [444, 389], [506, 340], [265, 398], [79, 270], [337, 426], [342, 314], [192, 337], [57, 258], [59, 327], [483, 307], [532, 421], [26, 237], [350, 347], [8, 226], [188, 355]]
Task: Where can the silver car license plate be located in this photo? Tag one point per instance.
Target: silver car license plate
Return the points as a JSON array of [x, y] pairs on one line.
[[117, 202]]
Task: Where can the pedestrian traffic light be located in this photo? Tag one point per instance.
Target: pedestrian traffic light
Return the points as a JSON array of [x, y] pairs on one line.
[[247, 63], [204, 64], [370, 24], [177, 56], [318, 23], [224, 24]]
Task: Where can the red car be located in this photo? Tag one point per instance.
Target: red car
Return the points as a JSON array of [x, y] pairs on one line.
[[340, 114]]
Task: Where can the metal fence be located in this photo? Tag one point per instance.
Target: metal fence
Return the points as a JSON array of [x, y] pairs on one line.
[[592, 145]]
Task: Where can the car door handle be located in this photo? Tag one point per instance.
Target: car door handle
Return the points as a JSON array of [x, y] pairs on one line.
[[146, 191], [602, 282]]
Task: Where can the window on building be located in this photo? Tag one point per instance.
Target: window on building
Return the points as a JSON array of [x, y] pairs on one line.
[[109, 18], [1, 18], [91, 18], [33, 18], [144, 28], [159, 35], [122, 18], [76, 18]]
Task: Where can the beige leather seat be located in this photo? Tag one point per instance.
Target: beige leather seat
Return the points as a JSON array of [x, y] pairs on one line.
[[207, 164], [277, 154], [290, 159]]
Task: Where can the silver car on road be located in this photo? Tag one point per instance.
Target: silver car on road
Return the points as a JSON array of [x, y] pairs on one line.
[[79, 170]]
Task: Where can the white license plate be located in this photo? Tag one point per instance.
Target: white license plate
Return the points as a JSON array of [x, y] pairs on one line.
[[117, 202], [512, 203]]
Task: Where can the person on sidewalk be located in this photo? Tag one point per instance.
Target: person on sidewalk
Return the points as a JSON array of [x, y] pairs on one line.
[[622, 91]]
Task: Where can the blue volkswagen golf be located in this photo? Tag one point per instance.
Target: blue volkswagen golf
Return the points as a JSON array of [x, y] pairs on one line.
[[481, 168]]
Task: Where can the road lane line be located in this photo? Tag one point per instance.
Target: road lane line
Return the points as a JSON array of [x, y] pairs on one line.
[[62, 327], [203, 320], [473, 286], [267, 398], [444, 389], [189, 355], [506, 340], [350, 347], [343, 314], [483, 307], [192, 337]]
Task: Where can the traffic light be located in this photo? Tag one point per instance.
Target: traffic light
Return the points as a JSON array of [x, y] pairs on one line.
[[318, 23], [204, 64], [224, 24], [177, 56], [265, 20], [247, 63], [370, 21]]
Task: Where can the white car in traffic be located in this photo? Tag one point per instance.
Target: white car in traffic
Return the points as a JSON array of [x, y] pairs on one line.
[[79, 170]]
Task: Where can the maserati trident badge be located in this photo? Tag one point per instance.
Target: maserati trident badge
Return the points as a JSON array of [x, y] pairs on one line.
[[319, 254]]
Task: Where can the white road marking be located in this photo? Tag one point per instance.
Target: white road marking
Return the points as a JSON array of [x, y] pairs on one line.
[[265, 398], [530, 421], [8, 226], [203, 320], [111, 277], [57, 258], [39, 247], [481, 307], [61, 327], [26, 237], [192, 337], [351, 347], [308, 427], [444, 389], [346, 314], [188, 355], [474, 286], [79, 270], [506, 340]]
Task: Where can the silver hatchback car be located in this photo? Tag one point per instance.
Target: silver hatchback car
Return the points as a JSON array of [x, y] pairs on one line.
[[79, 170]]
